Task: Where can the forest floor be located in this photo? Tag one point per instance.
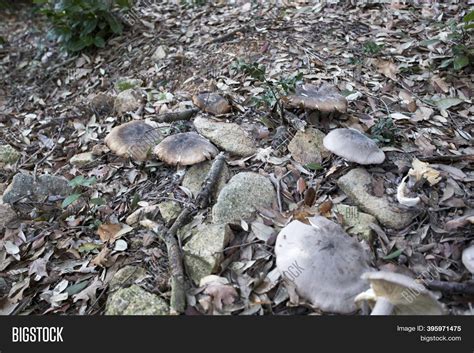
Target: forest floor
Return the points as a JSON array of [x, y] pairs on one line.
[[392, 63]]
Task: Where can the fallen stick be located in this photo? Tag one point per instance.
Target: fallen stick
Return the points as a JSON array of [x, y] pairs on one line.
[[466, 288], [176, 116], [175, 259], [228, 35]]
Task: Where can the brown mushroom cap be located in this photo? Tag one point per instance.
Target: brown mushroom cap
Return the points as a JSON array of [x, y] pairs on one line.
[[323, 263], [468, 258], [185, 149], [133, 139], [407, 296], [212, 103], [353, 146], [325, 99]]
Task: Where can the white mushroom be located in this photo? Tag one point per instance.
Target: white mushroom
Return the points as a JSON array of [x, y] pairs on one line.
[[353, 146], [397, 294], [468, 258], [323, 263], [185, 149]]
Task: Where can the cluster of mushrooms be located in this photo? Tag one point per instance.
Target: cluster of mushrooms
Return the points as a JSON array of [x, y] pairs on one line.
[[332, 269]]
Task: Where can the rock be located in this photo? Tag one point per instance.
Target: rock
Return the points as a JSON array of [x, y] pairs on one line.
[[242, 196], [358, 222], [357, 183], [135, 301], [228, 136], [307, 146], [82, 159], [212, 103], [204, 252], [127, 276], [196, 175], [7, 214], [24, 186], [124, 84], [102, 104], [159, 54], [169, 210], [127, 101], [8, 155]]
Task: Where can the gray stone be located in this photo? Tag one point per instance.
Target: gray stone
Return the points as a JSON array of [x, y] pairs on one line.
[[357, 183], [7, 214], [196, 175], [24, 186], [228, 136], [357, 223], [82, 159], [242, 196], [135, 301], [307, 146], [127, 276], [127, 101], [203, 253], [169, 210], [8, 155]]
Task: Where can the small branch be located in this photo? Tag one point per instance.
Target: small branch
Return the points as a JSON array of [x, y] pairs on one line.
[[176, 116], [210, 184], [453, 158], [466, 288], [228, 35], [175, 258]]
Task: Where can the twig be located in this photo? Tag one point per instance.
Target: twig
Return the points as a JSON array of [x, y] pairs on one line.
[[466, 288], [178, 293], [176, 116], [228, 35], [453, 158]]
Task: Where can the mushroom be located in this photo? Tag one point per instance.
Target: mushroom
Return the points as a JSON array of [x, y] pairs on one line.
[[326, 100], [395, 293], [212, 103], [185, 149], [135, 139], [468, 258], [353, 146], [322, 263]]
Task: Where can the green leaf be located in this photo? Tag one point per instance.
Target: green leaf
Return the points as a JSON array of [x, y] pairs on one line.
[[460, 62], [114, 24], [70, 199], [81, 181], [98, 201], [313, 166], [446, 103], [76, 288], [89, 25], [469, 17], [393, 255]]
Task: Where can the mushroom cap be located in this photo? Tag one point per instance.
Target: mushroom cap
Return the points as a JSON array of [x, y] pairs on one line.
[[133, 139], [325, 99], [323, 263], [353, 146], [185, 149], [468, 258], [212, 103], [407, 295]]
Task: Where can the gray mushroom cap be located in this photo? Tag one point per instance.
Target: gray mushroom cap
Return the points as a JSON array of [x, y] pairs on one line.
[[134, 139], [325, 99], [353, 146], [323, 263], [406, 295], [185, 149], [468, 258]]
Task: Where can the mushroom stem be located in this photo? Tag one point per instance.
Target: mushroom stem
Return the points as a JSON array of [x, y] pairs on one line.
[[382, 307]]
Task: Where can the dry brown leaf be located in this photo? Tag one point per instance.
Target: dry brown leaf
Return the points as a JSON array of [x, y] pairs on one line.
[[102, 258], [387, 68], [89, 292]]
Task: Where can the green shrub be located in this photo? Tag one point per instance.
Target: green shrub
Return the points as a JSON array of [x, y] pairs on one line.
[[79, 24]]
